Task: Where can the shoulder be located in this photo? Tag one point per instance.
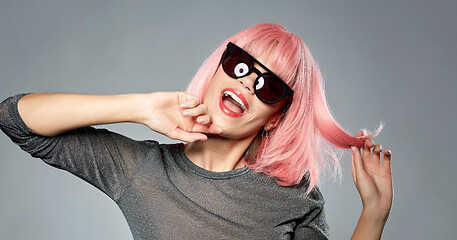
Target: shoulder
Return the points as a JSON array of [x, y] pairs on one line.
[[295, 195], [165, 154]]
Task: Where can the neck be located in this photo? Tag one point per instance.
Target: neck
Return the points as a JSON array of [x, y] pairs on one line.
[[218, 154]]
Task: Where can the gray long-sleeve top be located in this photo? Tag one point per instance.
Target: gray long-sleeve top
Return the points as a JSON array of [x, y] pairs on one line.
[[164, 195]]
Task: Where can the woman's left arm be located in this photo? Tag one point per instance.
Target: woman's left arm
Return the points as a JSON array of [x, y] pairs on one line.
[[373, 180]]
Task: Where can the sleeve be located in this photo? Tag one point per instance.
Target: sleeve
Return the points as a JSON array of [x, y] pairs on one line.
[[314, 225], [105, 159]]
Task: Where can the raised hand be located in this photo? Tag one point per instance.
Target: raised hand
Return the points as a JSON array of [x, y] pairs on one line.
[[372, 178], [178, 115]]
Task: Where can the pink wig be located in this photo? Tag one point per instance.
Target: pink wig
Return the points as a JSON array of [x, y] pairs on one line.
[[295, 147]]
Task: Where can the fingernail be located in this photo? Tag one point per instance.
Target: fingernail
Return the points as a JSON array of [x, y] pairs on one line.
[[186, 113], [353, 149], [372, 142], [183, 105], [390, 152], [200, 120]]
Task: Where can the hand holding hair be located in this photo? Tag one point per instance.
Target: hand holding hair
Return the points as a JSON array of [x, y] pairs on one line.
[[178, 115], [373, 180]]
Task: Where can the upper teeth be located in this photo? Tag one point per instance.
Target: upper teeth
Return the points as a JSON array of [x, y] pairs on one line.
[[236, 98]]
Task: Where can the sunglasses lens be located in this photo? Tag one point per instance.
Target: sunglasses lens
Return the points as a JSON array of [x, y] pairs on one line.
[[269, 88], [237, 64]]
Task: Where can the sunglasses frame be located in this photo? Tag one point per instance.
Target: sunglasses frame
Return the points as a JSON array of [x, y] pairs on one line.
[[287, 91]]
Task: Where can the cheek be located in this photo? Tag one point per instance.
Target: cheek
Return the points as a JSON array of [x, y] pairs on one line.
[[215, 84], [265, 111], [211, 92], [257, 118], [219, 76]]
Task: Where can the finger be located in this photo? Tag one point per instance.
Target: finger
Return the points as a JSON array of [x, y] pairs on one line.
[[387, 159], [207, 128], [358, 164], [203, 119], [187, 136], [367, 145], [187, 100], [196, 111], [354, 175], [377, 153], [359, 134]]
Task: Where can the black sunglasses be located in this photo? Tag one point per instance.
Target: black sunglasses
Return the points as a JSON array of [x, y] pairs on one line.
[[268, 87]]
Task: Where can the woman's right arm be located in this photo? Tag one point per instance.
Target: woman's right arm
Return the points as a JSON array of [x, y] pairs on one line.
[[52, 127], [49, 114]]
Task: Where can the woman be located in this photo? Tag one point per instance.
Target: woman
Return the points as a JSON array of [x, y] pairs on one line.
[[254, 117]]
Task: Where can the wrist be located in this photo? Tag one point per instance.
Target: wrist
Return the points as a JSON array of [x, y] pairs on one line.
[[118, 108], [142, 103], [375, 215], [370, 225]]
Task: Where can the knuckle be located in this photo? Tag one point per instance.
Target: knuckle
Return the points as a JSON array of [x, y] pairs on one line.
[[201, 119], [196, 100], [201, 108], [378, 148]]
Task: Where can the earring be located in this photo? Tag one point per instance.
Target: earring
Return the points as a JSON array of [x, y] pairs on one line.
[[267, 128]]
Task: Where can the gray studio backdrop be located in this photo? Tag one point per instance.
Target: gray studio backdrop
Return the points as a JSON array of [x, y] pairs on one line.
[[393, 61]]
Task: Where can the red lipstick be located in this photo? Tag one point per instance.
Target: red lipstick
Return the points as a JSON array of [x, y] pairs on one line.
[[229, 112]]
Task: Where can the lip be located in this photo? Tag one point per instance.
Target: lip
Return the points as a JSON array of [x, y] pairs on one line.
[[227, 110]]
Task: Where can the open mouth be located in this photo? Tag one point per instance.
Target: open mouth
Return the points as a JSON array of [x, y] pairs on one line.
[[232, 103]]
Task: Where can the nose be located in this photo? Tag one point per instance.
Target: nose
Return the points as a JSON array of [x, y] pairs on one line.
[[248, 81]]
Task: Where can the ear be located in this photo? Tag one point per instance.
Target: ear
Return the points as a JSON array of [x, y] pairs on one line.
[[273, 121]]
